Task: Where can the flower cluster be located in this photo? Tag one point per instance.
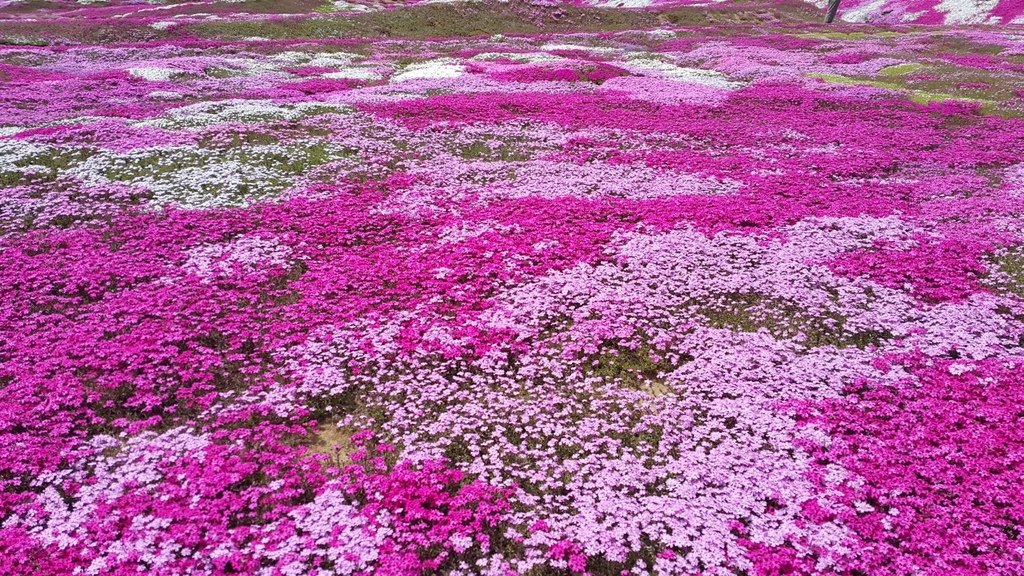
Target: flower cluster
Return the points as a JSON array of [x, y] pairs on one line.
[[584, 287]]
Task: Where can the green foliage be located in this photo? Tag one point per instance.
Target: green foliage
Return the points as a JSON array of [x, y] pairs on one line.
[[1011, 264], [493, 151], [492, 17], [631, 367], [752, 312], [43, 166]]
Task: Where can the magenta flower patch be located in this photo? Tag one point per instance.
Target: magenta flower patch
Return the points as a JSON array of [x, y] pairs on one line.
[[585, 287]]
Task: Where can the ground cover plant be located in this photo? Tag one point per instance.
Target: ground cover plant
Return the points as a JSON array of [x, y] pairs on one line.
[[532, 288]]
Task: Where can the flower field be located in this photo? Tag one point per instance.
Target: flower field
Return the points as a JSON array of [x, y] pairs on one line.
[[543, 288]]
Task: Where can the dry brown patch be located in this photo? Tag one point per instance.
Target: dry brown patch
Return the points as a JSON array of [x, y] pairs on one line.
[[657, 388], [334, 442]]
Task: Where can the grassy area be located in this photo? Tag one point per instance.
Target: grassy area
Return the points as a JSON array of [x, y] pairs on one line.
[[925, 82], [639, 369], [43, 166], [1011, 265], [423, 21], [752, 312]]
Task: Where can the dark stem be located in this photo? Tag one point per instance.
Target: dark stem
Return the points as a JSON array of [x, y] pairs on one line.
[[833, 7]]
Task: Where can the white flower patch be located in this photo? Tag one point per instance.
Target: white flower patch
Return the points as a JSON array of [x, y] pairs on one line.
[[661, 34], [250, 66], [522, 57], [15, 153], [353, 74], [911, 16], [215, 182], [202, 183], [335, 59], [202, 178], [430, 70], [863, 13], [328, 60], [551, 47], [343, 6], [966, 11], [205, 114], [671, 71], [959, 369], [154, 74], [164, 95], [163, 25], [343, 62], [291, 57]]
